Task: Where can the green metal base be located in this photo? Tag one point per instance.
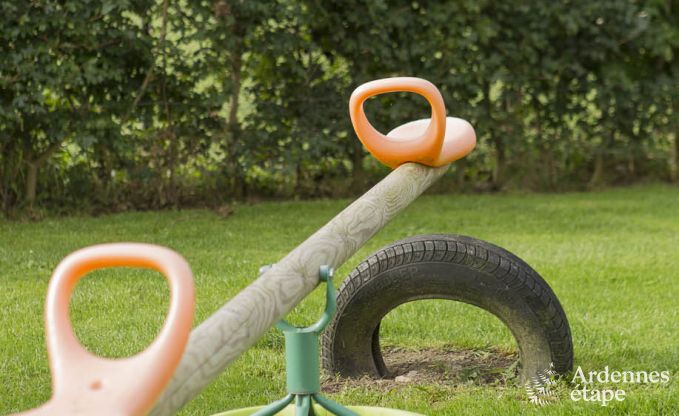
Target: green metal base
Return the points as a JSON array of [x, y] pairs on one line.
[[304, 406], [304, 372], [319, 411]]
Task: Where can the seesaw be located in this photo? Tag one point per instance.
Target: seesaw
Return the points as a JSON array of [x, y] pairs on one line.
[[180, 363]]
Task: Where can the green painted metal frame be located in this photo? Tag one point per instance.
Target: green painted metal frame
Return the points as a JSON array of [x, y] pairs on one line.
[[302, 362]]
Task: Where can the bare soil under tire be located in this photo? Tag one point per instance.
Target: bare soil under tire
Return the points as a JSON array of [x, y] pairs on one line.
[[449, 366]]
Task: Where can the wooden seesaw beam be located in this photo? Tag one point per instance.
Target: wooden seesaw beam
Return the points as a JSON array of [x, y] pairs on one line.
[[237, 325]]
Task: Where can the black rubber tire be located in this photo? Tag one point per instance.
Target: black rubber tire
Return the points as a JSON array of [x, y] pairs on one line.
[[446, 267]]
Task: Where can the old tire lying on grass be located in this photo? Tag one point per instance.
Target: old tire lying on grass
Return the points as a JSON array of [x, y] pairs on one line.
[[450, 267]]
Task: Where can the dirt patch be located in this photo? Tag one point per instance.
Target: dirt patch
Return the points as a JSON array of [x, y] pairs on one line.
[[449, 366]]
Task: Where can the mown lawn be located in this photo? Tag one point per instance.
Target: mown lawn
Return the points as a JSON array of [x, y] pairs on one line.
[[612, 257]]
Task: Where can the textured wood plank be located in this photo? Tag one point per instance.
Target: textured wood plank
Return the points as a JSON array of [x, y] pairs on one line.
[[235, 327]]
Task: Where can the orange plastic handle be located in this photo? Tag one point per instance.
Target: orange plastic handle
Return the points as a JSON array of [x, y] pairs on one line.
[[424, 148], [85, 384]]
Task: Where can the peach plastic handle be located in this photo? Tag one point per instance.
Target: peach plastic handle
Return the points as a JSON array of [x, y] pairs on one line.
[[85, 384], [425, 148]]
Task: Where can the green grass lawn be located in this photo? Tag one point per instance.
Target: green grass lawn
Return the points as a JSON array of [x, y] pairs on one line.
[[612, 258]]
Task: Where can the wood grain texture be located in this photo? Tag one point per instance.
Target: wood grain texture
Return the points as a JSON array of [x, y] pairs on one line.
[[237, 325]]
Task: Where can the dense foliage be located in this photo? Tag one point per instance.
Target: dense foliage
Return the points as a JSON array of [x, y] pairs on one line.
[[152, 103]]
